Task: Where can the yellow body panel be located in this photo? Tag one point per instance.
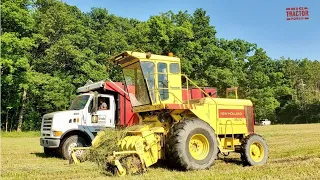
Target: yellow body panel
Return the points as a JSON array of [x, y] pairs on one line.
[[208, 109]]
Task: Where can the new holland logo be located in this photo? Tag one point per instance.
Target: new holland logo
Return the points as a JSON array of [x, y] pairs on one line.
[[231, 113]]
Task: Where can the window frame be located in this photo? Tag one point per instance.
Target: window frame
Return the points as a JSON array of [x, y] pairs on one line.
[[106, 101], [178, 68]]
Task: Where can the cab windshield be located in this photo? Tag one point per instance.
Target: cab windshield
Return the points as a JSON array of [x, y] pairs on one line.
[[79, 102], [136, 84]]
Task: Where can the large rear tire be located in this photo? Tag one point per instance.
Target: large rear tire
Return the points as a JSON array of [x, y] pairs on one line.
[[69, 142], [254, 150], [191, 145]]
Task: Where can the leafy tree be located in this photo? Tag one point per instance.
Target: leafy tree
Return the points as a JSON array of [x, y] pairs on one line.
[[49, 49]]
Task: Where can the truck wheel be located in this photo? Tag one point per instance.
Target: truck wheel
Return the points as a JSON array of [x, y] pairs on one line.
[[192, 145], [69, 143], [50, 152], [254, 150]]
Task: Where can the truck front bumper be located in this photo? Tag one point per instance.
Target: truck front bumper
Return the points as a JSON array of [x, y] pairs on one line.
[[49, 143]]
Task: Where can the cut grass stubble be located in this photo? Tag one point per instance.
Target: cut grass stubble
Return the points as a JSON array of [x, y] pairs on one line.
[[294, 152]]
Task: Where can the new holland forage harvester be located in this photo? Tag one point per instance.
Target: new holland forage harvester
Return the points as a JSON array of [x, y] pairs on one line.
[[190, 133]]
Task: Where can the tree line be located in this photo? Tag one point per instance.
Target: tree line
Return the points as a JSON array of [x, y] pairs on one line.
[[49, 49]]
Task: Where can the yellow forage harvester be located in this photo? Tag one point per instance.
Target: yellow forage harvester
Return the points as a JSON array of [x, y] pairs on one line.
[[187, 132]]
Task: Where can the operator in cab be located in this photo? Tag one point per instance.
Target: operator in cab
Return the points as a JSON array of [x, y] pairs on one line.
[[103, 105]]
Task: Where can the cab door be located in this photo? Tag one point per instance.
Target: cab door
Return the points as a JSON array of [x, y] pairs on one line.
[[105, 115]]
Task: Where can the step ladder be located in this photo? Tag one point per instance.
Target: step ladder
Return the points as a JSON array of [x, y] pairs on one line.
[[228, 140]]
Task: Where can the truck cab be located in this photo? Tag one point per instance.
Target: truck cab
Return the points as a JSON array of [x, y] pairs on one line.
[[77, 126]]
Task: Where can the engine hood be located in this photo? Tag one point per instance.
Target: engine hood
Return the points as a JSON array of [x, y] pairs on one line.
[[63, 113]]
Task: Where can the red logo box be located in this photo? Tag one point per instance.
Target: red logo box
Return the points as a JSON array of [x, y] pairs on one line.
[[297, 13]]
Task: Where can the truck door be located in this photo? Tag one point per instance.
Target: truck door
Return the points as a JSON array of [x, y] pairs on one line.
[[106, 111]]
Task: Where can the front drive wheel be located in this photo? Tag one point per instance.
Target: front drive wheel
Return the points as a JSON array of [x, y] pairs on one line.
[[192, 145], [69, 143], [254, 150]]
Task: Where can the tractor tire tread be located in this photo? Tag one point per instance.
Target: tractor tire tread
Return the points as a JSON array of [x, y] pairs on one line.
[[175, 145], [245, 157]]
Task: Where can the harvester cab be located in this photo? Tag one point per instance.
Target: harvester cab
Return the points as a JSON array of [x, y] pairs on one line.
[[152, 80], [187, 132]]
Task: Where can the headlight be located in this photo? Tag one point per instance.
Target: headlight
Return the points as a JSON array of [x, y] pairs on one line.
[[57, 133]]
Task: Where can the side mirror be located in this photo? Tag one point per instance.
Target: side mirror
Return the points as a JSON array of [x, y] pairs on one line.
[[95, 103]]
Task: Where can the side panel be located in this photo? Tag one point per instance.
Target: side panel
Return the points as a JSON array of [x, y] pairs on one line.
[[206, 112], [250, 119], [196, 93], [232, 120], [126, 116], [211, 90]]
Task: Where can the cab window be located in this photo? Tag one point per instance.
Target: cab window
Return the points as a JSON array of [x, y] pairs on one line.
[[163, 81], [174, 68], [103, 103], [148, 71]]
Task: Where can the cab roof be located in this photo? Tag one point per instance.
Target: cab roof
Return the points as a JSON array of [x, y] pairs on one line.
[[130, 55]]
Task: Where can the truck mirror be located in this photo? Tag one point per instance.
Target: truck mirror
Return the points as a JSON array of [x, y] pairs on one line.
[[95, 103]]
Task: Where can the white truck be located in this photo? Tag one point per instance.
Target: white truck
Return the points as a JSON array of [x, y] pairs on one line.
[[62, 130]]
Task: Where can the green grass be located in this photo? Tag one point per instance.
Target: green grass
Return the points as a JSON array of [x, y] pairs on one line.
[[294, 153], [16, 134]]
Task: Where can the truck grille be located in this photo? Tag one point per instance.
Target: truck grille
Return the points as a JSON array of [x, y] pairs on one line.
[[47, 123]]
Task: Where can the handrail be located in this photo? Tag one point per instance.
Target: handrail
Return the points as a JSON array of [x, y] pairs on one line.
[[235, 89], [196, 87], [217, 117]]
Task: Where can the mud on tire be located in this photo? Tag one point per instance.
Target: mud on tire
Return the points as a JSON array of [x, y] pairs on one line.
[[178, 150]]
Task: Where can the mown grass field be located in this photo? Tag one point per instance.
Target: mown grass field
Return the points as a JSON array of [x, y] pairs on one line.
[[294, 153]]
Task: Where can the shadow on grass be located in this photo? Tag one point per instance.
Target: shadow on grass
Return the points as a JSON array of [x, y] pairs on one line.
[[43, 155], [163, 164], [236, 161], [38, 154]]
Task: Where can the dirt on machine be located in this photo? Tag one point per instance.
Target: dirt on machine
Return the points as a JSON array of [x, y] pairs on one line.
[[187, 132]]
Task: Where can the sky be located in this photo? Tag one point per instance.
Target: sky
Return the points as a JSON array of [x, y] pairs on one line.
[[260, 22]]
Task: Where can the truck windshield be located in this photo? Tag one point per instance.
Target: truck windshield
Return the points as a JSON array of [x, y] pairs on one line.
[[136, 84], [79, 102]]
